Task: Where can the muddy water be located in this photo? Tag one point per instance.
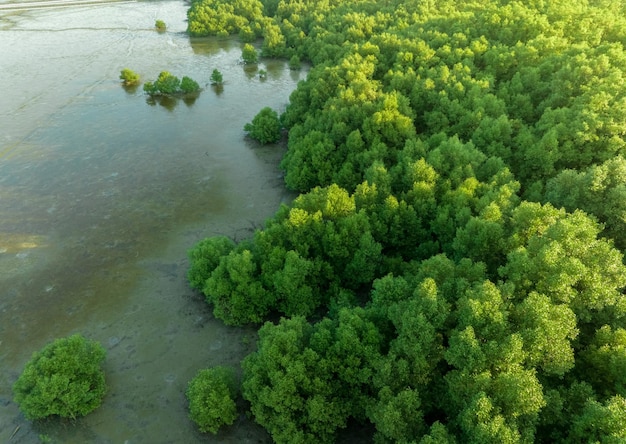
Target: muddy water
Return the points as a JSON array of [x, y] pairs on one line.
[[103, 191]]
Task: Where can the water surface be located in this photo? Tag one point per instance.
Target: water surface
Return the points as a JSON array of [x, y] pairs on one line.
[[102, 192]]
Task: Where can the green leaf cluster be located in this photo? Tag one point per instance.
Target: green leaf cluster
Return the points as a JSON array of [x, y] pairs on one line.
[[169, 84], [222, 18], [188, 85], [249, 54], [453, 269], [265, 126], [311, 376], [129, 77], [216, 77], [211, 395], [64, 379], [294, 62]]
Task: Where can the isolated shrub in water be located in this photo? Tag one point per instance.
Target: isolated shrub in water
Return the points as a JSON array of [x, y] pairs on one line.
[[211, 395], [129, 77], [216, 77], [65, 378]]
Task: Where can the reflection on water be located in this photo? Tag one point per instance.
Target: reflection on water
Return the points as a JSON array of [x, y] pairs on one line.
[[103, 190], [13, 243]]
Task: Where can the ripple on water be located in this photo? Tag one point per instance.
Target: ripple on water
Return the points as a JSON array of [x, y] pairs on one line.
[[169, 378]]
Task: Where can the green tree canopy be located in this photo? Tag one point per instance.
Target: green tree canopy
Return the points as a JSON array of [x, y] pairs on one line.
[[221, 17], [460, 224], [211, 395], [129, 77], [169, 84], [305, 381], [216, 77], [249, 54], [65, 379], [188, 85], [265, 126]]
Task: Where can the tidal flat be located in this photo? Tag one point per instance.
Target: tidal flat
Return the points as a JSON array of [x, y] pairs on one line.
[[102, 193]]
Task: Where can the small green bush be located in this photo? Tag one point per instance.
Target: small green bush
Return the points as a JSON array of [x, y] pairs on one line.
[[211, 395], [294, 62], [129, 77], [249, 54], [188, 85], [205, 257], [160, 25], [246, 34], [265, 126], [169, 84], [216, 77], [65, 378]]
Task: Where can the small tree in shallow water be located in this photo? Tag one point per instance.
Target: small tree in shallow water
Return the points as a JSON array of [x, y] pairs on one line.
[[129, 77], [216, 77], [249, 54], [65, 379], [169, 84], [211, 395]]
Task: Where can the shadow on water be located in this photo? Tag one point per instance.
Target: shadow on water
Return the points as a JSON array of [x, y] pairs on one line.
[[251, 70], [212, 46], [167, 102], [170, 102], [218, 89], [131, 89], [101, 197]]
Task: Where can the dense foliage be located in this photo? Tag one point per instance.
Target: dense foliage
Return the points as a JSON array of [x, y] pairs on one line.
[[169, 84], [221, 18], [63, 379], [216, 77], [211, 395], [453, 269], [249, 54], [265, 126], [160, 25], [129, 77]]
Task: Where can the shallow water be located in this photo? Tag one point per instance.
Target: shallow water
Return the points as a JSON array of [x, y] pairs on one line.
[[102, 192]]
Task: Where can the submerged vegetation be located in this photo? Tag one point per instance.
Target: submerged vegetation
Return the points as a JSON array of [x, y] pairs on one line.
[[453, 269]]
